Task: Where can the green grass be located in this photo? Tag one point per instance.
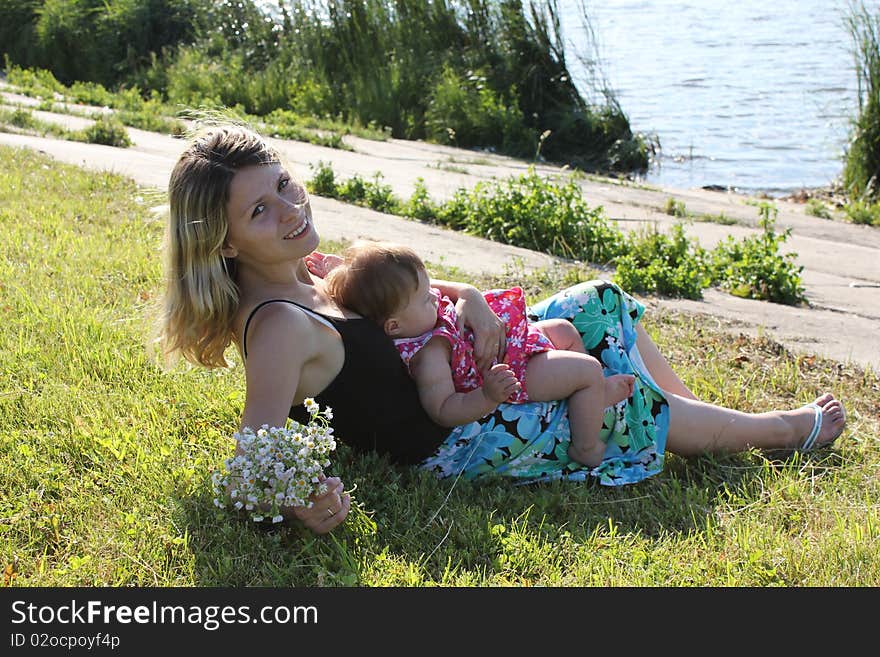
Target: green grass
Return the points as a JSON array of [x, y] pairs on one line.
[[477, 161], [452, 168], [863, 212], [105, 459], [619, 182], [719, 218], [106, 129], [675, 208], [816, 208], [21, 120]]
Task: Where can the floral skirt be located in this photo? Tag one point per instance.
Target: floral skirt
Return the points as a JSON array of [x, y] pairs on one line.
[[529, 442]]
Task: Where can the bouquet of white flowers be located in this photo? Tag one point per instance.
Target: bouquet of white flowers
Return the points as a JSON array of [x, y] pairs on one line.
[[277, 466]]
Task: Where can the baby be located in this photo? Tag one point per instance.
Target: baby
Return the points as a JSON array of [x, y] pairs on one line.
[[544, 361]]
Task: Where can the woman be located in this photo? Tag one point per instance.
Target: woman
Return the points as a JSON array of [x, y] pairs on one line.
[[240, 240]]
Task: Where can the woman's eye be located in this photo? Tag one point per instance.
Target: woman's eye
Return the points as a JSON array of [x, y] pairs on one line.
[[284, 182], [258, 210]]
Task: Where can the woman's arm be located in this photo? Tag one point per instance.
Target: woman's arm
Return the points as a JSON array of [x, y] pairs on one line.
[[474, 312], [279, 341]]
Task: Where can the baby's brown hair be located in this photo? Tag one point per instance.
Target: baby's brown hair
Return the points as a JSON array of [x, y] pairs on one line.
[[376, 279]]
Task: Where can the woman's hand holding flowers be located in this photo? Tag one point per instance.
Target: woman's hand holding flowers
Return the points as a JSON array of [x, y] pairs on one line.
[[328, 509], [278, 473]]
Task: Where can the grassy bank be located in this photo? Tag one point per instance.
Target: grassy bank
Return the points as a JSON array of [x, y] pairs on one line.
[[546, 214], [487, 74], [106, 129], [130, 108], [106, 459]]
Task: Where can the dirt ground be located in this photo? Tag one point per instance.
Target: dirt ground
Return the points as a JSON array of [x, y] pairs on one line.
[[841, 261]]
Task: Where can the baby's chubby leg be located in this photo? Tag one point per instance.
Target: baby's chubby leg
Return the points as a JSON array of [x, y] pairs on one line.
[[578, 377], [562, 334], [565, 336], [557, 374]]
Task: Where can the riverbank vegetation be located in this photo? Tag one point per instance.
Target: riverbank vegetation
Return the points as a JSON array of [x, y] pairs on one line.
[[106, 459], [553, 217], [861, 172], [131, 108], [490, 74], [542, 214], [106, 129]]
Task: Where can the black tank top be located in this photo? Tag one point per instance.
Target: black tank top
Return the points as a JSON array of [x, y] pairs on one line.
[[374, 400]]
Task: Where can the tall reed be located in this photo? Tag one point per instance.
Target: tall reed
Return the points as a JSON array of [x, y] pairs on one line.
[[472, 73], [862, 160], [96, 40]]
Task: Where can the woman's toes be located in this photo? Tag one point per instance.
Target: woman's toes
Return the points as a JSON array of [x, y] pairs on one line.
[[833, 421], [824, 399]]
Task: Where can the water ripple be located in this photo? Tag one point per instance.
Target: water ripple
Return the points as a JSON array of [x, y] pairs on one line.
[[736, 94]]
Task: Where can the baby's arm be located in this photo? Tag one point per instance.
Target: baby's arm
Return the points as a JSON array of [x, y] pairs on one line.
[[321, 264], [433, 375]]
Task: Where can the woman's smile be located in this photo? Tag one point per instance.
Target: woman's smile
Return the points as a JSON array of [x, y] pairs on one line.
[[299, 231]]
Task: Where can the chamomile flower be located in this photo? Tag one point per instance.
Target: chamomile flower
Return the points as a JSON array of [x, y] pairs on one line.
[[277, 466]]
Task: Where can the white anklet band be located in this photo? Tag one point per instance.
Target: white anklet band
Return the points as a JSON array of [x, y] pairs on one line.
[[810, 441]]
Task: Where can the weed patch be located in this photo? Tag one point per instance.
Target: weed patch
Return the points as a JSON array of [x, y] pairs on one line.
[[552, 216], [754, 267], [106, 130]]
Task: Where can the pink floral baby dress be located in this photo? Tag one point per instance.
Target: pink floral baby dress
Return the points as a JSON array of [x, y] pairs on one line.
[[523, 340]]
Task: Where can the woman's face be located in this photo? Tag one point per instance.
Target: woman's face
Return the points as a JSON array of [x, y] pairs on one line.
[[270, 218]]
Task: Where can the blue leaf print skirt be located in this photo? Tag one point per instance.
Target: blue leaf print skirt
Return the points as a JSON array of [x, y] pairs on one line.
[[529, 442]]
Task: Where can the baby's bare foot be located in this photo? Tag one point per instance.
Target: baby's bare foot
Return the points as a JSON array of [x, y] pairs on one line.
[[618, 387], [590, 456]]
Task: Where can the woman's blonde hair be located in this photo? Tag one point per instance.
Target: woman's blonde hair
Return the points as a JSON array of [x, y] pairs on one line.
[[201, 295], [376, 279]]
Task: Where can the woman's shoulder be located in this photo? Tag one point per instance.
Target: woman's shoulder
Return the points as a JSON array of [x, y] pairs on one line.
[[271, 322]]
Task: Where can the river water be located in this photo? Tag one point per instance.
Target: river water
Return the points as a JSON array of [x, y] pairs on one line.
[[755, 95]]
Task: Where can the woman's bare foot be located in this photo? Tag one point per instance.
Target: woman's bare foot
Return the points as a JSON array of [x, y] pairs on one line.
[[618, 387], [831, 422]]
